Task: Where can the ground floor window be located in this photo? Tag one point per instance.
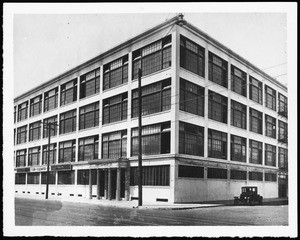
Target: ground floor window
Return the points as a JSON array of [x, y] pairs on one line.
[[51, 177], [83, 177], [33, 178], [152, 176], [238, 175], [66, 177], [20, 178], [217, 173], [190, 171], [256, 176], [270, 177]]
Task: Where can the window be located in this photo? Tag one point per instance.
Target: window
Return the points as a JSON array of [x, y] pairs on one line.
[[20, 178], [66, 151], [35, 106], [238, 149], [156, 97], [217, 144], [50, 99], [238, 81], [282, 158], [114, 145], [238, 115], [88, 148], [83, 177], [282, 132], [255, 152], [34, 156], [255, 90], [115, 108], [90, 83], [155, 139], [21, 158], [255, 121], [217, 70], [270, 126], [282, 105], [270, 155], [186, 171], [68, 92], [152, 58], [152, 176], [34, 131], [256, 176], [89, 116], [217, 173], [191, 139], [270, 177], [15, 114], [191, 98], [238, 175], [51, 177], [15, 136], [52, 154], [22, 134], [66, 177], [217, 107], [67, 122], [22, 111], [33, 178], [53, 127], [270, 95], [191, 56], [115, 73]]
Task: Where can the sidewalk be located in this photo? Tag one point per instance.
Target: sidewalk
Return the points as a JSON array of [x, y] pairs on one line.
[[147, 205]]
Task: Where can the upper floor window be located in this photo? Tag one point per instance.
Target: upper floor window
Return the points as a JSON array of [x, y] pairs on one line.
[[115, 73], [282, 158], [217, 144], [67, 151], [238, 149], [35, 106], [53, 127], [52, 154], [114, 145], [217, 107], [152, 58], [270, 126], [89, 116], [90, 83], [255, 121], [217, 70], [156, 97], [21, 158], [238, 114], [255, 90], [88, 148], [282, 132], [50, 99], [255, 152], [34, 156], [68, 92], [282, 105], [22, 111], [191, 139], [192, 56], [155, 139], [191, 98], [270, 96], [115, 108], [270, 155], [35, 131], [67, 122], [22, 134], [238, 81], [15, 114]]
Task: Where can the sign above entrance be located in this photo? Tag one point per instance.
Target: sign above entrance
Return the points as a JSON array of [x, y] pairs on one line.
[[25, 169], [38, 169], [61, 167]]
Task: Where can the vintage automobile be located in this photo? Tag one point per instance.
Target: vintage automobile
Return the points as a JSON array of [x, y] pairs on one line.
[[248, 196]]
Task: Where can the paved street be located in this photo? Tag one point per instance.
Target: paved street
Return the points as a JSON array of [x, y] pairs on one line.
[[38, 212]]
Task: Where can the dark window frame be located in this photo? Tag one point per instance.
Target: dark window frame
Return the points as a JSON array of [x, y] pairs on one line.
[[90, 85], [64, 119], [217, 68], [22, 111], [238, 115], [68, 91], [217, 173], [189, 171], [255, 117], [83, 148], [51, 99], [53, 130], [270, 126], [270, 98], [53, 151], [22, 134], [255, 149], [35, 106], [34, 156], [115, 108], [62, 149], [282, 158], [85, 112], [217, 140], [238, 144], [217, 107], [255, 90], [112, 143], [270, 152], [33, 128], [282, 105], [238, 83], [282, 132], [21, 158]]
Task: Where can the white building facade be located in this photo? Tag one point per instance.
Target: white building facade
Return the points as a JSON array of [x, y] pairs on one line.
[[212, 122]]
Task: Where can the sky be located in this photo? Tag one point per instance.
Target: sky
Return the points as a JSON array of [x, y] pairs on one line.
[[46, 45]]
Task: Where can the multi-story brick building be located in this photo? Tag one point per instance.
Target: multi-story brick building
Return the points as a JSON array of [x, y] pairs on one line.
[[212, 122]]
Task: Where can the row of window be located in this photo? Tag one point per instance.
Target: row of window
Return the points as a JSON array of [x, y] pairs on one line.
[[192, 58], [155, 140], [187, 171]]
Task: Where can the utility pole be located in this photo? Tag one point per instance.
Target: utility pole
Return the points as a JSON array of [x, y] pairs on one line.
[[140, 171]]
